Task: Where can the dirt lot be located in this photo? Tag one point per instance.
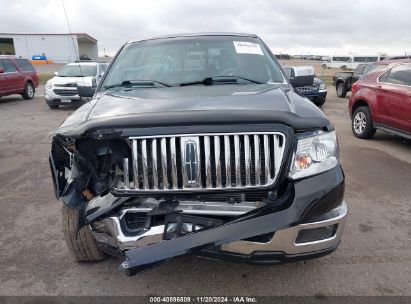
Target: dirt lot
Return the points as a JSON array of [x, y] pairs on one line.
[[374, 257], [319, 71]]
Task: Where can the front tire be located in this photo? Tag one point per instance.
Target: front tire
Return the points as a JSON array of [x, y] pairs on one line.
[[324, 66], [80, 241], [361, 123], [341, 90], [53, 107], [28, 92]]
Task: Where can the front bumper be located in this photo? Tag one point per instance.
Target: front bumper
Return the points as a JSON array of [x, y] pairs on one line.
[[52, 98], [286, 243], [315, 96], [312, 204]]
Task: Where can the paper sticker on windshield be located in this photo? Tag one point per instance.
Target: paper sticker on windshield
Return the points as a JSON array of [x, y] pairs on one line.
[[242, 47]]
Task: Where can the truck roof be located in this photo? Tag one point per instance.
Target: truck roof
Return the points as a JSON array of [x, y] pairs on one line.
[[196, 34]]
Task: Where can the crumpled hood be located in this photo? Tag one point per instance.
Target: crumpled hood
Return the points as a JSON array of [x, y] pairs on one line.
[[217, 104]]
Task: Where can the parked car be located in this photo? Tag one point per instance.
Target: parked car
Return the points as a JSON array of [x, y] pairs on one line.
[[62, 88], [316, 58], [317, 92], [382, 100], [17, 76], [217, 158]]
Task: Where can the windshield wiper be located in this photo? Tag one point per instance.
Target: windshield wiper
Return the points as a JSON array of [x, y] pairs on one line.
[[136, 83], [238, 77], [219, 79]]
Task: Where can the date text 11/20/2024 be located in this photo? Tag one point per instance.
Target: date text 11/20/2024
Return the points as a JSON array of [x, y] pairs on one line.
[[204, 299]]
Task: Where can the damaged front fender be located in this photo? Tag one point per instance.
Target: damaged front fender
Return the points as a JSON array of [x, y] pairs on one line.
[[83, 169]]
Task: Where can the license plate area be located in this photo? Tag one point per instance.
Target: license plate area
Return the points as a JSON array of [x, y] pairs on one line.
[[67, 100]]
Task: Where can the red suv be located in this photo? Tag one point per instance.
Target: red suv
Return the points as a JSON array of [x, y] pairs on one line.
[[382, 100], [17, 76]]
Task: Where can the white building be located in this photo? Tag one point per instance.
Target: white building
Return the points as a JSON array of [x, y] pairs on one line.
[[60, 48]]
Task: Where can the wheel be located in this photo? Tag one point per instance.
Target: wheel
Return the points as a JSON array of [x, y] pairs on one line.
[[362, 126], [53, 107], [341, 90], [28, 92], [324, 66], [343, 67], [80, 241], [320, 102]]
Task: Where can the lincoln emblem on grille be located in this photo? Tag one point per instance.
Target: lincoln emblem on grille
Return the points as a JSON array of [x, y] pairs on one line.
[[190, 155]]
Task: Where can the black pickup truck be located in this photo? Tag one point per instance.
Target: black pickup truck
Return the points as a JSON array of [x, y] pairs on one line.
[[344, 80], [198, 144]]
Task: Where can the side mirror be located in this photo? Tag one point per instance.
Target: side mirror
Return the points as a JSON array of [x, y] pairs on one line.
[[86, 87], [304, 76], [1, 70], [56, 73]]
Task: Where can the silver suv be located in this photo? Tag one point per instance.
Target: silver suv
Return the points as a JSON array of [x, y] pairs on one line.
[[62, 88]]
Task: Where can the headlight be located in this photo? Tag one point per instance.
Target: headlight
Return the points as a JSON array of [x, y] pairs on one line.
[[49, 86], [323, 86], [314, 154]]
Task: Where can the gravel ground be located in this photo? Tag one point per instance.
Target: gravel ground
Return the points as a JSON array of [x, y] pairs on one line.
[[374, 257]]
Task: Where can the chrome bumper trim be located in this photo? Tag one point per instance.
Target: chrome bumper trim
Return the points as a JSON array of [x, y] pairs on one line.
[[284, 240], [198, 207], [117, 238]]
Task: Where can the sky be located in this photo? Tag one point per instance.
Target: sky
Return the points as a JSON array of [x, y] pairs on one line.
[[326, 27]]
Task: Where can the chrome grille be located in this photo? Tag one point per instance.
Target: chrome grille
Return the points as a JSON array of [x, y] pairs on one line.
[[66, 85], [202, 162], [65, 92], [309, 88]]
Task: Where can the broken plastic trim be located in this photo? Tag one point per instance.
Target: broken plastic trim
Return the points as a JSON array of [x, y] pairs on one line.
[[301, 201], [263, 220]]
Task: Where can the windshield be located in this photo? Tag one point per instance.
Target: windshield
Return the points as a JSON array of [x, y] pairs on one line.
[[373, 68], [74, 70], [176, 61]]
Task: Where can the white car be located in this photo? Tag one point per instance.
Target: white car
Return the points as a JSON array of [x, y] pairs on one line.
[[62, 88]]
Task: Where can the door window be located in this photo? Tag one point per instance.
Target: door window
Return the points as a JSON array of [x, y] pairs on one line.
[[9, 66], [341, 59], [360, 69], [25, 65], [400, 74], [383, 77]]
